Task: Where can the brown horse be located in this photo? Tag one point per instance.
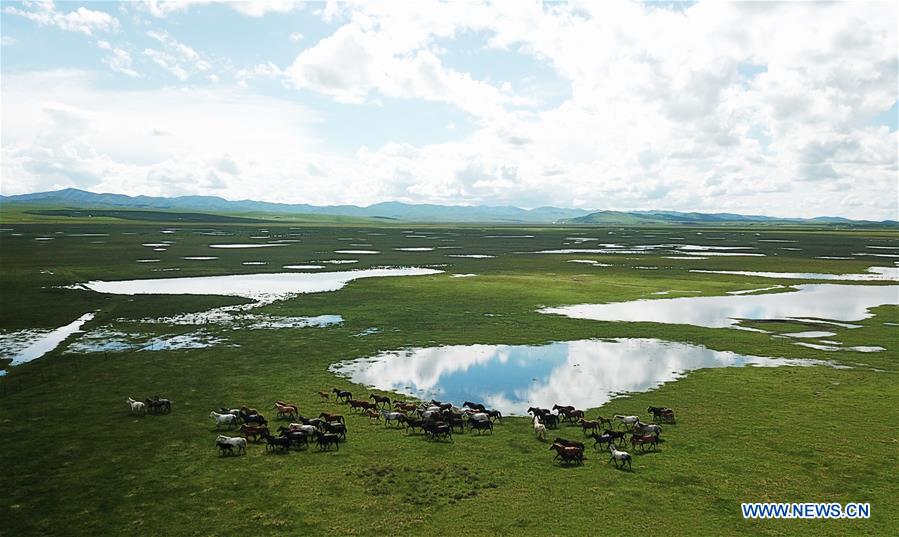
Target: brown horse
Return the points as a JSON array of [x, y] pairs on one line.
[[405, 407], [572, 414], [380, 399], [642, 440], [286, 410], [331, 417], [363, 405], [324, 395], [254, 431], [372, 414], [588, 425], [568, 454]]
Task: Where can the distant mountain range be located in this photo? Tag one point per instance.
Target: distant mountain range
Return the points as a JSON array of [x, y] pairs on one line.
[[72, 198]]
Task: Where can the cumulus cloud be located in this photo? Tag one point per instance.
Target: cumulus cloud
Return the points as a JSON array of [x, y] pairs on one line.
[[86, 21], [740, 107], [164, 8]]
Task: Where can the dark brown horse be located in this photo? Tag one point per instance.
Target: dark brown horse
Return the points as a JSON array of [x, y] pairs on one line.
[[380, 399], [642, 440], [254, 431]]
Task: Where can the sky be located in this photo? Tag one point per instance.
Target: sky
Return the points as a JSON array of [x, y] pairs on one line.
[[782, 109]]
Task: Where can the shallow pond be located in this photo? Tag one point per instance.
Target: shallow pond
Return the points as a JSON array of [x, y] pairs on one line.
[[822, 301], [260, 287], [510, 378], [27, 345]]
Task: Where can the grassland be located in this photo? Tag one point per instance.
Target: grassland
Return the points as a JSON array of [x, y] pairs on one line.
[[76, 463]]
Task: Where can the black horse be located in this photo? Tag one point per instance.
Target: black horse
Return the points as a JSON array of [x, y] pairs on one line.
[[335, 428], [661, 413], [224, 448], [343, 394], [276, 442], [326, 440], [296, 438], [380, 399], [606, 439], [255, 418], [479, 426], [414, 423], [156, 405], [616, 436], [434, 429], [475, 406]]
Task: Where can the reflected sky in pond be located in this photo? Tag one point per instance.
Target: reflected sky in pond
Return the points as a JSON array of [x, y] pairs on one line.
[[584, 373], [823, 301], [265, 287]]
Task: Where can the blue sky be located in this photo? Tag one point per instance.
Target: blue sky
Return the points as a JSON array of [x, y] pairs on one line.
[[782, 109]]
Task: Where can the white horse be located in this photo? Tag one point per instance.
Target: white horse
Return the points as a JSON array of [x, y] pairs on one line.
[[479, 416], [627, 421], [137, 407], [539, 429], [392, 416], [622, 456], [223, 419], [647, 428], [234, 441], [308, 429]]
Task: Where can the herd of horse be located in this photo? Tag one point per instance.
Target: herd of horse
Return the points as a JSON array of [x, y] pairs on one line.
[[613, 435], [152, 405], [436, 420]]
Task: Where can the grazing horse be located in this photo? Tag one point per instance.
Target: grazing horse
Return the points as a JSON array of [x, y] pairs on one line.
[[644, 428], [475, 406], [233, 441], [157, 405], [661, 413], [643, 439], [477, 425], [286, 410], [617, 456], [626, 421], [227, 419], [343, 394], [331, 417], [539, 429], [589, 425], [324, 395], [397, 417], [326, 440], [568, 454], [279, 442], [380, 399], [137, 408], [253, 430]]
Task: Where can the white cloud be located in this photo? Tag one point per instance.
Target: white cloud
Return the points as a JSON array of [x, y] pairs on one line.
[[296, 37], [119, 61], [259, 8], [177, 58], [740, 107], [81, 20]]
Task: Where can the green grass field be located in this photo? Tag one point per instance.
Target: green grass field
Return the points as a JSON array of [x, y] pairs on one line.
[[76, 463]]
